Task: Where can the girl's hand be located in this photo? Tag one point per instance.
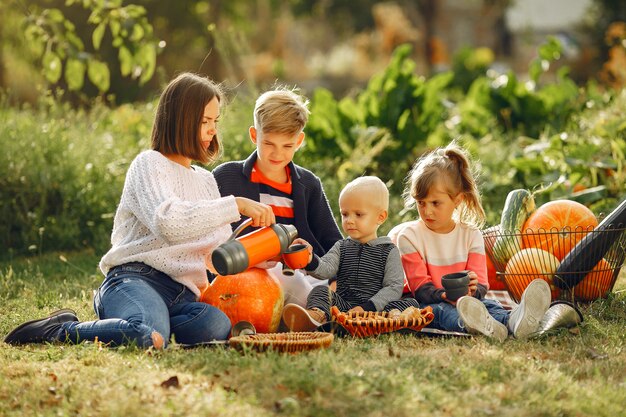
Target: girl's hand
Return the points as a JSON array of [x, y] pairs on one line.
[[357, 309], [444, 297], [261, 214], [309, 247], [473, 284]]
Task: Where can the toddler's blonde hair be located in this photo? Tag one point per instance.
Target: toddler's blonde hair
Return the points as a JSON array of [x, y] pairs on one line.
[[281, 111], [372, 185], [450, 167]]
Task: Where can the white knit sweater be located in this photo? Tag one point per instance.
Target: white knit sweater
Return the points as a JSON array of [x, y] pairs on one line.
[[170, 218]]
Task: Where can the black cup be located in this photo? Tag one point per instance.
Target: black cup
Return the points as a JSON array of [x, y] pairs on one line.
[[456, 285]]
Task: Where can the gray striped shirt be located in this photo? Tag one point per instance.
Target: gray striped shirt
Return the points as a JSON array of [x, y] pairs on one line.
[[365, 272]]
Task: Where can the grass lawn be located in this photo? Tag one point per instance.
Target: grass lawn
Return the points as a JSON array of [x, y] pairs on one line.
[[581, 372]]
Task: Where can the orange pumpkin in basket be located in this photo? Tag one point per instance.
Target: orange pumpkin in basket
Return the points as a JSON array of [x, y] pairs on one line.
[[253, 295], [596, 283], [557, 226], [528, 265]]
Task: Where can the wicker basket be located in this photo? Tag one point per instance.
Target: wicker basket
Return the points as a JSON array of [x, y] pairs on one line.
[[370, 323], [593, 281], [283, 342]]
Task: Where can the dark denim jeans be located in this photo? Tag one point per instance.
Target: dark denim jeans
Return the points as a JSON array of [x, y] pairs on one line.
[[135, 300], [447, 316]]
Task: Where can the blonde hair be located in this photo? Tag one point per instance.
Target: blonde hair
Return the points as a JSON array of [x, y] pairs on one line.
[[450, 167], [281, 111], [374, 186]]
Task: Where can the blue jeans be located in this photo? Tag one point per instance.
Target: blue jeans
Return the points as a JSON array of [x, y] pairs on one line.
[[447, 316], [136, 300]]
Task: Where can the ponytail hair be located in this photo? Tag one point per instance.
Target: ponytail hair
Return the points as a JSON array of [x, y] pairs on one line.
[[451, 166]]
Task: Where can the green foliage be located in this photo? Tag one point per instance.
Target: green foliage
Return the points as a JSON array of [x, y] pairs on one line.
[[469, 64], [66, 56], [526, 108], [397, 111], [381, 130], [61, 173], [515, 129]]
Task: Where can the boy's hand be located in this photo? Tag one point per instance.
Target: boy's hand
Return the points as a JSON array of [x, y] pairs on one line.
[[261, 214]]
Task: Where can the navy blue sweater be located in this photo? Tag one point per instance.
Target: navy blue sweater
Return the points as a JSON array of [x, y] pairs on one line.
[[312, 214]]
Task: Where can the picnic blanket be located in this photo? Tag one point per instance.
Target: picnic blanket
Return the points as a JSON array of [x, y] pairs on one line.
[[503, 296]]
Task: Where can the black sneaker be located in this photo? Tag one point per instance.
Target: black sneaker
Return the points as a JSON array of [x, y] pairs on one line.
[[41, 330]]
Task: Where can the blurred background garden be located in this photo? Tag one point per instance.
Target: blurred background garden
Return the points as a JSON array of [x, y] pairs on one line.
[[535, 91]]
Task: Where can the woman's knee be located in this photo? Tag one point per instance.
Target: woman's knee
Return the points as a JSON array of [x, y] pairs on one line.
[[200, 323]]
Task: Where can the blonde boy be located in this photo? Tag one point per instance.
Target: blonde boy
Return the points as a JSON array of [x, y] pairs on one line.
[[270, 176], [367, 268]]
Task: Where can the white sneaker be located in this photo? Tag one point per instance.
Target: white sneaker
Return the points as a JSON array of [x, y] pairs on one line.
[[525, 318], [299, 319], [477, 319]]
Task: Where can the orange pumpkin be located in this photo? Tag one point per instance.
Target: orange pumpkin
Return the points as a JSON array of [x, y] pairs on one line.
[[596, 283], [490, 236], [252, 295], [557, 226], [528, 265]]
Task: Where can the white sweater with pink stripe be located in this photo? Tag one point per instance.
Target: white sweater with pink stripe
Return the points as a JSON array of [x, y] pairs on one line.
[[427, 256]]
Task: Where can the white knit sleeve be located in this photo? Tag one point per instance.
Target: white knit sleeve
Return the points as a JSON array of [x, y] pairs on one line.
[[175, 203]]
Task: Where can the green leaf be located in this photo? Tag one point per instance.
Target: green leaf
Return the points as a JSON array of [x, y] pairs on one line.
[[99, 74], [137, 34], [75, 74], [147, 58], [55, 15], [115, 27], [126, 61], [77, 42], [52, 67], [98, 34]]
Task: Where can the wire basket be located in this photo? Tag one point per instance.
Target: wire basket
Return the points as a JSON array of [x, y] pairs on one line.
[[283, 342], [520, 257]]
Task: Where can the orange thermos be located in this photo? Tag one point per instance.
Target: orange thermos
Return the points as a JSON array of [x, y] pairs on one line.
[[239, 253]]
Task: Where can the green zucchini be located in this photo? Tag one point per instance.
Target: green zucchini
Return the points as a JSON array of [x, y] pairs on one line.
[[518, 206]]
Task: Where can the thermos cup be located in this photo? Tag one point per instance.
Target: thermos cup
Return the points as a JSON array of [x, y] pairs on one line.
[[239, 253], [456, 284]]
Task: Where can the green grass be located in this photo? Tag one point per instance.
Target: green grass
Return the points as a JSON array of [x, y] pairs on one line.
[[572, 373]]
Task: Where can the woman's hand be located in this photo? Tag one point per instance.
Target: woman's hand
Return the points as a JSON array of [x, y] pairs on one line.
[[357, 309], [261, 214]]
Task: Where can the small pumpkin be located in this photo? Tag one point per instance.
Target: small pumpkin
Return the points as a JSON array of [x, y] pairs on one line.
[[528, 265], [596, 284], [253, 295], [557, 226]]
